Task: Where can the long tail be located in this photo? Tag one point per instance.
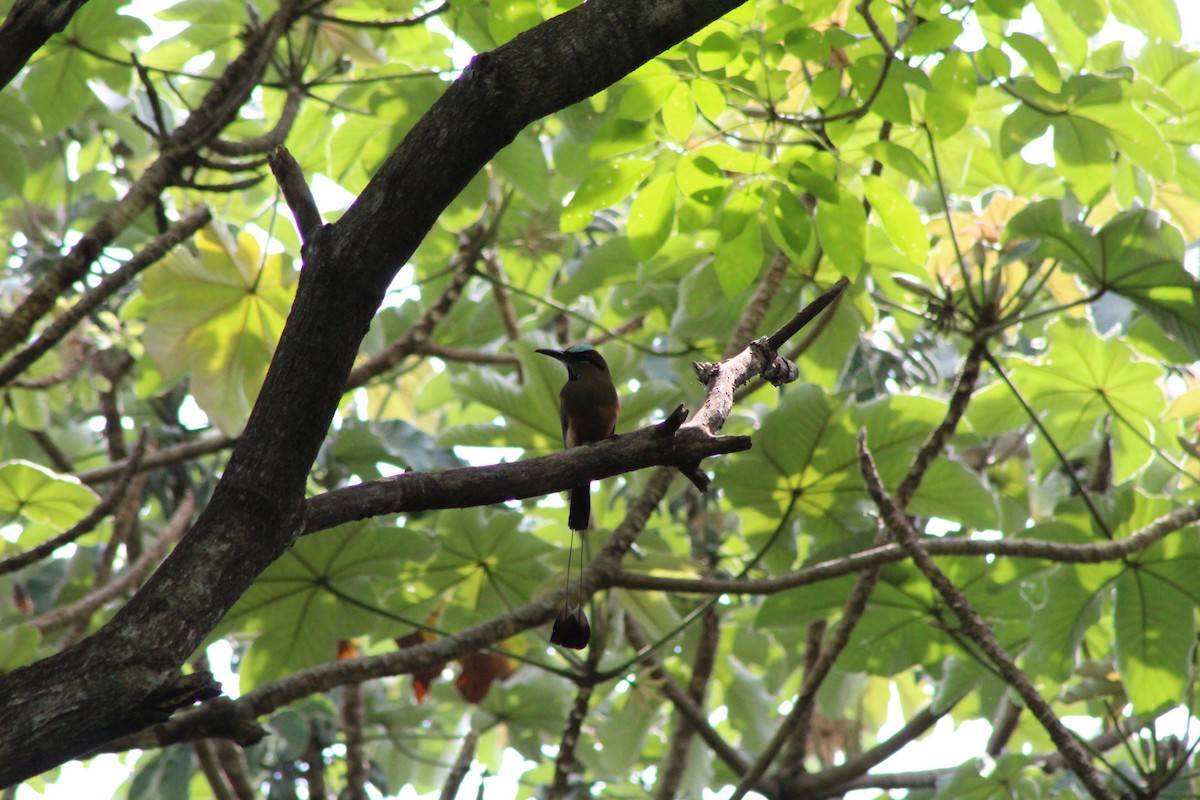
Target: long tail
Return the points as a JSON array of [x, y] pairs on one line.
[[580, 514]]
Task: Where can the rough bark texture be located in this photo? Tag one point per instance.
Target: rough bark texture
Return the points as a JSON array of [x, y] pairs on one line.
[[29, 24], [126, 676]]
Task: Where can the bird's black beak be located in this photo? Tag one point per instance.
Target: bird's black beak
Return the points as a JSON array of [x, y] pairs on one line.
[[561, 355]]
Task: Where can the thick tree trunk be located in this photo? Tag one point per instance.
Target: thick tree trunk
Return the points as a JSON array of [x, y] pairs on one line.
[[126, 676]]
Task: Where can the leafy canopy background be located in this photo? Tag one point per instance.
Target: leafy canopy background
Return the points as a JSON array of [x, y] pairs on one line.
[[1010, 187]]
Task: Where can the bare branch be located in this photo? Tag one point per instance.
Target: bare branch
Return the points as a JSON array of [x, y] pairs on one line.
[[979, 631], [185, 451], [723, 379], [109, 285], [476, 486], [132, 576], [462, 765], [354, 721], [268, 141], [508, 314], [296, 193], [831, 782], [1059, 552]]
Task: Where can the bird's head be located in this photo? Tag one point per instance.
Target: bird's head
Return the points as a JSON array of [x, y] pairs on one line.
[[577, 357]]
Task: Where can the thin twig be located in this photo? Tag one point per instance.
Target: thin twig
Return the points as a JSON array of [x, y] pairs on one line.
[[233, 763], [211, 767], [354, 721], [1045, 550], [108, 285], [296, 192], [382, 24], [269, 140], [508, 314], [184, 451], [462, 765]]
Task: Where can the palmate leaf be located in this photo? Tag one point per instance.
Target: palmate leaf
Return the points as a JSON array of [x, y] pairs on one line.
[[1137, 255], [216, 318], [487, 562], [1155, 618], [297, 609], [529, 407], [41, 496], [807, 449], [1081, 380]]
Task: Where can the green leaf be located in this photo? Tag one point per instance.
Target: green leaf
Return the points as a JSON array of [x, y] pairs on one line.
[[1037, 56], [710, 100], [56, 87], [899, 217], [651, 216], [217, 317], [12, 167], [842, 228], [1155, 633], [647, 88], [949, 104], [700, 179], [165, 775], [1136, 137], [901, 159], [1084, 378], [1063, 33], [933, 36], [39, 495], [1156, 17], [1135, 254], [530, 410], [511, 17], [1084, 156], [788, 223], [1088, 15], [679, 112], [321, 590], [739, 259], [603, 188], [717, 50], [488, 561]]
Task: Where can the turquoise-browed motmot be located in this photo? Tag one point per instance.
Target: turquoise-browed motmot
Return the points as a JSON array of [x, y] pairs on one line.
[[588, 407]]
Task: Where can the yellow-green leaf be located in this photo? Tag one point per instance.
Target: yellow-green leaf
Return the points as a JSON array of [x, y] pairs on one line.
[[603, 188], [900, 218], [217, 318], [651, 216]]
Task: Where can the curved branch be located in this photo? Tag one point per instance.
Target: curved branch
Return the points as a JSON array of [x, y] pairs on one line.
[[1058, 552]]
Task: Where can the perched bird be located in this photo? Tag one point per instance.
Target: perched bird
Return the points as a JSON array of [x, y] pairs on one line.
[[588, 407]]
